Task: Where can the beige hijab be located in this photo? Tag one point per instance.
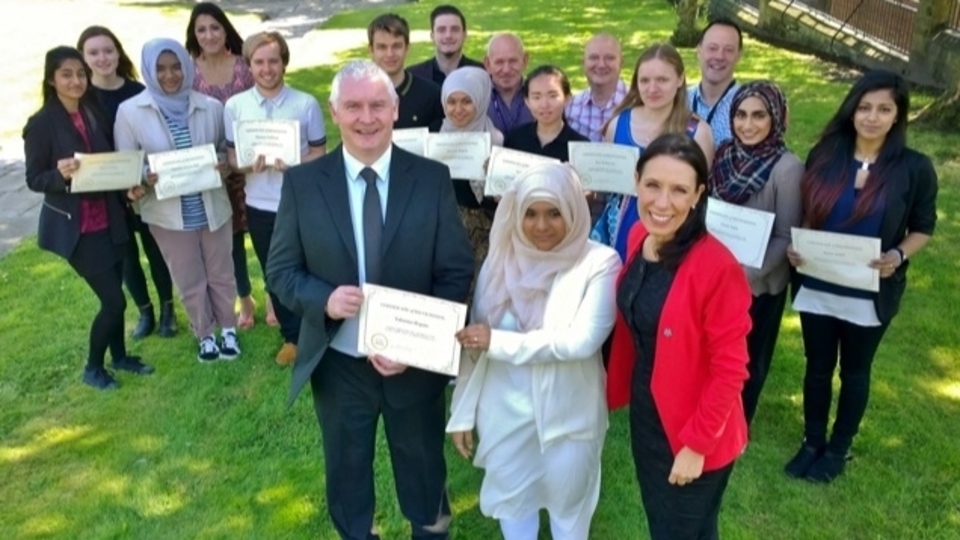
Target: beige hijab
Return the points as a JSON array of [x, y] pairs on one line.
[[517, 277], [475, 83]]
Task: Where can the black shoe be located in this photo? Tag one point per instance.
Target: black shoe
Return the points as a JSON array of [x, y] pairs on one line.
[[209, 352], [805, 458], [828, 467], [168, 320], [229, 346], [132, 364], [99, 378], [145, 324]]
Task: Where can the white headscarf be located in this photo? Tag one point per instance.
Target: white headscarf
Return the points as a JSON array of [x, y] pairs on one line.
[[475, 83], [176, 106], [516, 276]]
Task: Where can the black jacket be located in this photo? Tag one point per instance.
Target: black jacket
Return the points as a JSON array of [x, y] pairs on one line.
[[48, 137]]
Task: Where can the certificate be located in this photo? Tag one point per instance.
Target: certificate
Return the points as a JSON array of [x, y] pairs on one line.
[[464, 153], [107, 171], [274, 139], [412, 329], [841, 259], [745, 231], [413, 140], [505, 167], [605, 167], [180, 172]]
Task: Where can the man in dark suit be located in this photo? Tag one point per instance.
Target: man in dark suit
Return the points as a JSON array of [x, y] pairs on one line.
[[369, 212]]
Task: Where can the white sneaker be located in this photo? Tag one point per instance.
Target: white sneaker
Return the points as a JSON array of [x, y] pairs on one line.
[[209, 352], [229, 346]]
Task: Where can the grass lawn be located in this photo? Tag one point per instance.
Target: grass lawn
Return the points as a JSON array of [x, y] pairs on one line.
[[212, 452]]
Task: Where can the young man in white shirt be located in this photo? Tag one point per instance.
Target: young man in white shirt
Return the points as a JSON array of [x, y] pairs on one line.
[[267, 55]]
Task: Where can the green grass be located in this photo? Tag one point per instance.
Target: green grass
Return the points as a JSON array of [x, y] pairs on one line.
[[211, 451]]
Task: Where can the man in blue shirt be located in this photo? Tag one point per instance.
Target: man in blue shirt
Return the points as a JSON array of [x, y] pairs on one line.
[[718, 53]]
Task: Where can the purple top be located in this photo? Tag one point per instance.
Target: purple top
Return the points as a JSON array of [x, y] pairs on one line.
[[507, 117], [242, 80]]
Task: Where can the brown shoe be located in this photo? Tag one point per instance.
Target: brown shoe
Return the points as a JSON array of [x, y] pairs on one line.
[[287, 355]]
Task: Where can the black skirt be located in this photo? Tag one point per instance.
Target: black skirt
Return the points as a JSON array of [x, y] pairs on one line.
[[95, 253]]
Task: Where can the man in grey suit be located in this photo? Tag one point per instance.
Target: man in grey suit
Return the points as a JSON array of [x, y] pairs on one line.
[[369, 212]]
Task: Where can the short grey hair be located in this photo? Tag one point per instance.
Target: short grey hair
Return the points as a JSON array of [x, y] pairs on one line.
[[506, 36], [358, 70]]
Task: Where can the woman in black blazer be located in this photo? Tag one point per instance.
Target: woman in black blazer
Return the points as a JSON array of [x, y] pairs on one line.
[[89, 230], [860, 179]]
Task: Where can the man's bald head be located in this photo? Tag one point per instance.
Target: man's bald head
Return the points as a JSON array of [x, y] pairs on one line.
[[602, 61], [506, 60]]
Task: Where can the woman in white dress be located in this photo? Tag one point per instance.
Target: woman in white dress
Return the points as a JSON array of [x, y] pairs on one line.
[[531, 380]]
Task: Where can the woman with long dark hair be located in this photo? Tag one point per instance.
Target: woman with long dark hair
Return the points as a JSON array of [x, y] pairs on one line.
[[546, 91], [861, 179], [89, 230], [757, 170], [678, 355], [115, 81], [220, 72]]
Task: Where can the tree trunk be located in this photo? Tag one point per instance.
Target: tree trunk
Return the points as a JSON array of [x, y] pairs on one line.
[[686, 33], [943, 113]]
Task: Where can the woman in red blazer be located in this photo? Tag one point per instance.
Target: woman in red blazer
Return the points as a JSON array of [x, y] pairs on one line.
[[679, 351]]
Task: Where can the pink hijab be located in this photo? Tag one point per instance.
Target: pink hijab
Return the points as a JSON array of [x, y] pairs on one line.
[[517, 277]]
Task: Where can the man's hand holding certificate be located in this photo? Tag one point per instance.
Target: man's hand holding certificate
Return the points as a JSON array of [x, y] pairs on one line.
[[605, 167], [505, 167], [181, 172], [842, 259], [107, 171], [273, 139], [744, 231], [464, 153], [411, 329]]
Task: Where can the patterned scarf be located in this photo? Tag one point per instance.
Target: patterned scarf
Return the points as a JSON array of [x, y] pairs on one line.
[[740, 170]]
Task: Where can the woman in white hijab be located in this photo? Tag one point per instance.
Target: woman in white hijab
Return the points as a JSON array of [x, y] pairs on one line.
[[193, 230], [531, 379], [466, 97]]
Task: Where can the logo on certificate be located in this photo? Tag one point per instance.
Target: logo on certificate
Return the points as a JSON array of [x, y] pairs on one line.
[[500, 186], [378, 342], [585, 180], [249, 154]]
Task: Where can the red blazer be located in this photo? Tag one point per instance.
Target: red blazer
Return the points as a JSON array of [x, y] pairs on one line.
[[701, 361]]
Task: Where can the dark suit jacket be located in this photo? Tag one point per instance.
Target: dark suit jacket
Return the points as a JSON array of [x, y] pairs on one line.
[[48, 137], [911, 194], [313, 251]]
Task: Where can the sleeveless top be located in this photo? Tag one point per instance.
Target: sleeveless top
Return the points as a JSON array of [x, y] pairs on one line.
[[620, 213]]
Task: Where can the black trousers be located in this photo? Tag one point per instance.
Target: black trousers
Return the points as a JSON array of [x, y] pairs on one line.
[[240, 270], [260, 225], [349, 400], [823, 336], [133, 276], [100, 263], [766, 312]]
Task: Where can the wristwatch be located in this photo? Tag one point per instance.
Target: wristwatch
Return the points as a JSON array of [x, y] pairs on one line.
[[903, 256]]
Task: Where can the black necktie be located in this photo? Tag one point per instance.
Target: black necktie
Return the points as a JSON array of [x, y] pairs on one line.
[[372, 226]]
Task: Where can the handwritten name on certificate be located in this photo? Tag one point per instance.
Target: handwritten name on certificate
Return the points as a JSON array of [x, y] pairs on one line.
[[107, 171], [412, 329], [841, 259], [506, 166], [413, 140], [180, 172], [605, 167], [273, 139], [464, 153], [745, 231]]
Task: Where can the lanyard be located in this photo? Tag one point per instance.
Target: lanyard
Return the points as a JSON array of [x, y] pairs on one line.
[[713, 110]]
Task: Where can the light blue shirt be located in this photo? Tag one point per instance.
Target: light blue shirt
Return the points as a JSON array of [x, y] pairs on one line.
[[717, 116], [346, 339]]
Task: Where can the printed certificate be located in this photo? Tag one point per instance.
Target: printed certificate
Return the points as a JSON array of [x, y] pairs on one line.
[[745, 231], [464, 153], [841, 259], [413, 140], [505, 167], [107, 171], [274, 139], [181, 172], [605, 167], [412, 329]]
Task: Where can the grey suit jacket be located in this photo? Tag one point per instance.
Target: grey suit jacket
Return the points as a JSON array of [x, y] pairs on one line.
[[425, 250]]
